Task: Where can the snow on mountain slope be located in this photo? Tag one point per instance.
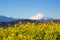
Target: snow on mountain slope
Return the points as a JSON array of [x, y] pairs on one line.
[[37, 16], [40, 16]]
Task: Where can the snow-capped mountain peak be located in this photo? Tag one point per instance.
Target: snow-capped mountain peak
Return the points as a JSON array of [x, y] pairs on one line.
[[37, 16]]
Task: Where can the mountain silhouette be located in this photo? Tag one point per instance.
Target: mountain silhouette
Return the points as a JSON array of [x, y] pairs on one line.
[[10, 19], [6, 19]]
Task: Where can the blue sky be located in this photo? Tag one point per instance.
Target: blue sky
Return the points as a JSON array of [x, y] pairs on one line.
[[28, 8]]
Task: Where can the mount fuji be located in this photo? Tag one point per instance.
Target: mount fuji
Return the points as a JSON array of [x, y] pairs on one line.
[[4, 21], [10, 19]]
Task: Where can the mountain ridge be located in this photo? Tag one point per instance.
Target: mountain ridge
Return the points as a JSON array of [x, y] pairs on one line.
[[7, 19], [10, 19], [4, 21]]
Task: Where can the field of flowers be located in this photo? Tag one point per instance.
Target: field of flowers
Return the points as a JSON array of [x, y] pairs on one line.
[[31, 31]]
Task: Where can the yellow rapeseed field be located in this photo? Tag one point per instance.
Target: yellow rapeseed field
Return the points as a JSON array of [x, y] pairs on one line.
[[31, 31]]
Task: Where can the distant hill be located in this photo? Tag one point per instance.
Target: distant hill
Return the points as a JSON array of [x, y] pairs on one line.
[[5, 24], [10, 19], [4, 21]]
